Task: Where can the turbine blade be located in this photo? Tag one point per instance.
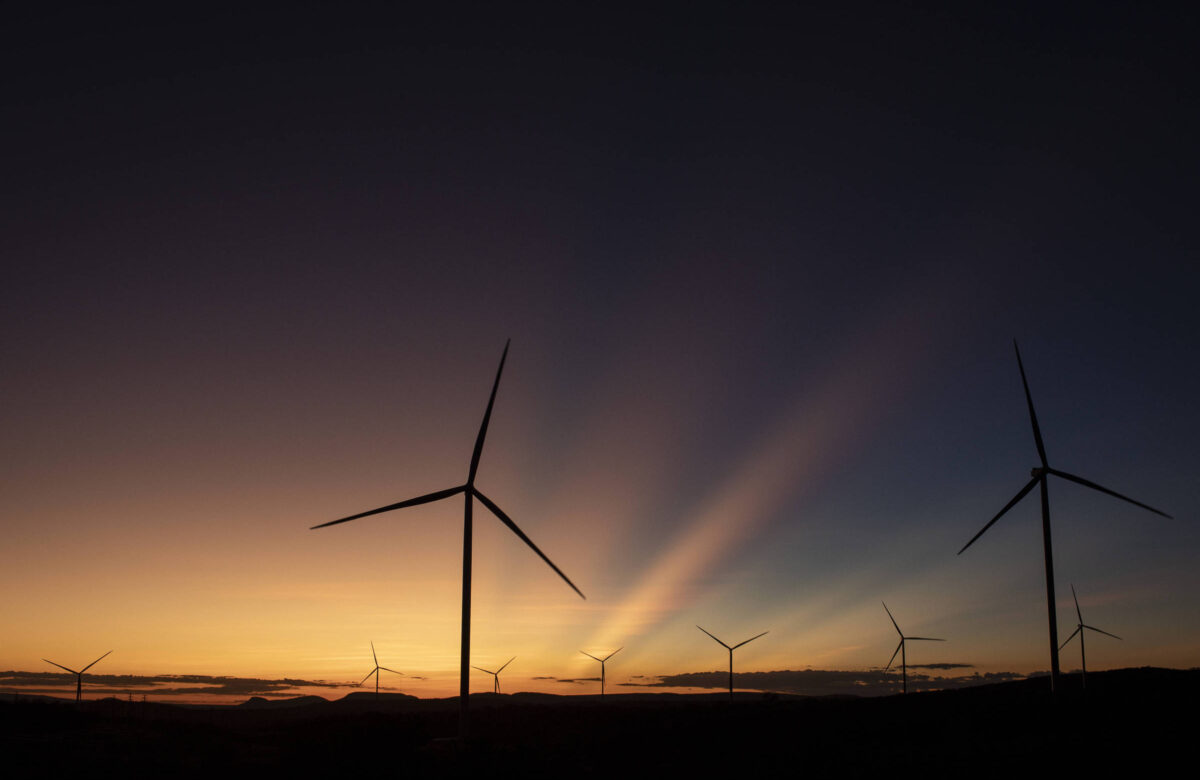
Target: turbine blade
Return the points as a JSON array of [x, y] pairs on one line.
[[1072, 636], [889, 666], [513, 527], [393, 671], [614, 652], [373, 656], [589, 655], [1037, 432], [60, 666], [1077, 612], [93, 663], [1102, 631], [1115, 494], [1000, 514], [506, 663], [425, 499], [363, 680], [487, 415], [480, 668], [748, 641], [925, 638], [898, 631], [718, 641]]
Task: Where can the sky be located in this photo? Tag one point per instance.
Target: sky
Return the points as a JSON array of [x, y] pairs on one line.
[[761, 268]]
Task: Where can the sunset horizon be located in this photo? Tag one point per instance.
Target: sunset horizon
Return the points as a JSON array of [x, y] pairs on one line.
[[749, 318]]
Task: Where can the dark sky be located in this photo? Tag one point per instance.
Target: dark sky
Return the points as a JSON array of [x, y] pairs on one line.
[[766, 259]]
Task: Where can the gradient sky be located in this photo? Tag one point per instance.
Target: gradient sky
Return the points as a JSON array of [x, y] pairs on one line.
[[761, 270]]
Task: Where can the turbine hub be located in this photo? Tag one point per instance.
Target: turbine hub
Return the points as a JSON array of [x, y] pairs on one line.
[[1037, 471]]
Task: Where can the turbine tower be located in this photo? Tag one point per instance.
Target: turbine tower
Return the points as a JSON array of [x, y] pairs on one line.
[[469, 492], [731, 649], [496, 674], [900, 648], [602, 662], [1040, 474], [1079, 630], [78, 675], [377, 670]]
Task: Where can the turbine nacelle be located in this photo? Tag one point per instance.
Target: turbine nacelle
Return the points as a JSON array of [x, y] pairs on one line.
[[1079, 631], [731, 649], [1040, 478], [471, 494], [901, 649]]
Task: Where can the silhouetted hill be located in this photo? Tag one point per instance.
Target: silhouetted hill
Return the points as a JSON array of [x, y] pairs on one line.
[[1129, 720], [258, 702]]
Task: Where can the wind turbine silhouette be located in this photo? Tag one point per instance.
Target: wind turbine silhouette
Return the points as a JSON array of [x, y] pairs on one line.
[[496, 674], [1039, 474], [78, 675], [1079, 630], [470, 492], [377, 670], [900, 648], [731, 649], [602, 662]]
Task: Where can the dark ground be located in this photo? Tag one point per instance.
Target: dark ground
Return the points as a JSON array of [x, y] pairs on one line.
[[1131, 720]]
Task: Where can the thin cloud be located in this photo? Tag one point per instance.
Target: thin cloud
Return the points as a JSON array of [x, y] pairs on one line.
[[164, 685], [575, 680], [823, 682]]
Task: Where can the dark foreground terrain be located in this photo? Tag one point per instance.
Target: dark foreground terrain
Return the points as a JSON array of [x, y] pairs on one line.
[[1134, 720]]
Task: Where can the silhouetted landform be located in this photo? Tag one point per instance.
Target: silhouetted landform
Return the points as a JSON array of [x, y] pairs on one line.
[[1125, 721], [258, 702]]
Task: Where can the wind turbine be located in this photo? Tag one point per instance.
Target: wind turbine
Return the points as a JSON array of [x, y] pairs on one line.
[[1079, 630], [602, 661], [900, 648], [469, 492], [377, 670], [78, 675], [731, 649], [1039, 474], [496, 674]]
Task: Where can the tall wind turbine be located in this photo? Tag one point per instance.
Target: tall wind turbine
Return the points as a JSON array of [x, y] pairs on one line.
[[78, 675], [602, 662], [900, 648], [469, 492], [1039, 474], [496, 674], [1079, 630], [731, 649], [377, 670]]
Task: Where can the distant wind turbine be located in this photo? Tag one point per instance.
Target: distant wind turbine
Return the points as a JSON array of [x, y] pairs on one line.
[[78, 675], [377, 670], [731, 649], [602, 662], [1079, 630], [469, 492], [900, 648], [496, 674], [1039, 474]]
